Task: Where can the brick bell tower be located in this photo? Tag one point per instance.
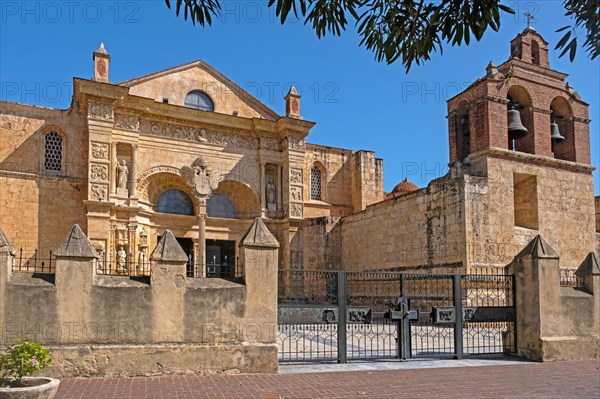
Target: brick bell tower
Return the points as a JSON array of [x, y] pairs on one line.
[[524, 89], [520, 153]]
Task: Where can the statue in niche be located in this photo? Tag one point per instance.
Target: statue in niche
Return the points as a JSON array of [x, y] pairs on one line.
[[122, 174], [270, 192], [121, 260], [200, 178]]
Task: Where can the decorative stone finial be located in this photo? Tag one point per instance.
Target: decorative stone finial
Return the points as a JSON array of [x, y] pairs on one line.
[[590, 266], [168, 249], [101, 49], [259, 236], [492, 70], [76, 245], [292, 104]]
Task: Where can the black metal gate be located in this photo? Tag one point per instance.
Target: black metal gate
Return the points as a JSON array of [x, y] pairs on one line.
[[347, 315]]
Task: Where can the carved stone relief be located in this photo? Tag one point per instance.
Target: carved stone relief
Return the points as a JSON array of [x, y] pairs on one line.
[[270, 144], [296, 193], [198, 135], [99, 172], [99, 192], [296, 210], [296, 176], [296, 143], [200, 178], [127, 122], [103, 112], [100, 151]]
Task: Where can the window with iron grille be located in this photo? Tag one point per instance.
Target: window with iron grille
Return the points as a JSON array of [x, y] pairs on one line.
[[315, 183], [53, 152]]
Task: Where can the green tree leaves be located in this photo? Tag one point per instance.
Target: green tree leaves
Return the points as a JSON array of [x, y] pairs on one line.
[[408, 30]]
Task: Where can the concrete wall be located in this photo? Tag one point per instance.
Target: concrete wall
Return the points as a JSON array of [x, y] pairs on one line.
[[99, 325]]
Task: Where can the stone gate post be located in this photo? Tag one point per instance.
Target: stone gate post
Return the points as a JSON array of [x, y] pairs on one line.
[[168, 282], [75, 272]]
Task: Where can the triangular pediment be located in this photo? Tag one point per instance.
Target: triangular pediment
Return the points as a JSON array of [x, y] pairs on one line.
[[175, 83]]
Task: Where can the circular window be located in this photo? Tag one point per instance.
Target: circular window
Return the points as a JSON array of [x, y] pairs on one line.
[[199, 100]]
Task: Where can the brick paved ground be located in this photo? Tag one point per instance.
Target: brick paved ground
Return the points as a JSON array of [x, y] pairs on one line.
[[539, 380]]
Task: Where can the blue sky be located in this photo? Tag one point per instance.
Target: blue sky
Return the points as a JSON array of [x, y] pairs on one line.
[[356, 102]]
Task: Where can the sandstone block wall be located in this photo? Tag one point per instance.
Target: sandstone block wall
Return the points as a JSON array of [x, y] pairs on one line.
[[564, 200], [425, 227], [36, 205]]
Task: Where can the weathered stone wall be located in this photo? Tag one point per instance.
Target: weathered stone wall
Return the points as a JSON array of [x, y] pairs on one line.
[[322, 244], [564, 199], [425, 227], [106, 325], [36, 205]]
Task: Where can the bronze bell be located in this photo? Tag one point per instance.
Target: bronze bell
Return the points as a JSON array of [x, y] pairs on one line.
[[516, 130], [555, 133]]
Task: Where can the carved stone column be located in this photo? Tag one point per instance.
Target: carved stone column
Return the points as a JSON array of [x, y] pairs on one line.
[[133, 172], [113, 171], [279, 184], [263, 182], [201, 237]]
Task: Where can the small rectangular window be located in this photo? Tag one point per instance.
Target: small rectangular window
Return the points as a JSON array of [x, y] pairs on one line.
[[165, 100], [525, 200]]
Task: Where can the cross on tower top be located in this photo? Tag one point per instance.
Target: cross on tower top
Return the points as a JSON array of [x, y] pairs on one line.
[[529, 17]]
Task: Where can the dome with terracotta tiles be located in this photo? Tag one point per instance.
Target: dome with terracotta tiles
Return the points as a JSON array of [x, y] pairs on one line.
[[404, 187]]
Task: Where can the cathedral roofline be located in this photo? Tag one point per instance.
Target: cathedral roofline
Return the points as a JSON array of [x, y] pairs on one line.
[[211, 70]]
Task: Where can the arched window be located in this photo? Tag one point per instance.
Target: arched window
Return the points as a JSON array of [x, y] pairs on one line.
[[175, 202], [199, 100], [535, 53], [53, 152], [315, 184], [219, 206]]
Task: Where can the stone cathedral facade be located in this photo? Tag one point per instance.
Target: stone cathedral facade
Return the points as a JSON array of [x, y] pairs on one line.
[[183, 149]]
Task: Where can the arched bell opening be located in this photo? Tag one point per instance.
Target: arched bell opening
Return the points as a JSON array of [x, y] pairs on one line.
[[535, 52], [463, 131], [520, 120], [561, 129]]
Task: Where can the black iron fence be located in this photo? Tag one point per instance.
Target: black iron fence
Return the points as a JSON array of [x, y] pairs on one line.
[[34, 262], [202, 270], [337, 315]]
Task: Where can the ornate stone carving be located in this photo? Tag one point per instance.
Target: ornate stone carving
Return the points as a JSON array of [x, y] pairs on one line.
[[296, 193], [100, 151], [270, 144], [143, 178], [296, 210], [122, 174], [198, 135], [127, 122], [296, 143], [200, 178], [103, 112], [99, 192], [296, 176], [99, 172]]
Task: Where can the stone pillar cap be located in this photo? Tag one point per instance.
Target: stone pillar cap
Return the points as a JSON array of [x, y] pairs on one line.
[[259, 236], [538, 248], [168, 249], [590, 266], [5, 245], [76, 244]]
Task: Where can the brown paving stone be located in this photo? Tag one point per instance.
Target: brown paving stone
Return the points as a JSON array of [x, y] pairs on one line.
[[537, 380]]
